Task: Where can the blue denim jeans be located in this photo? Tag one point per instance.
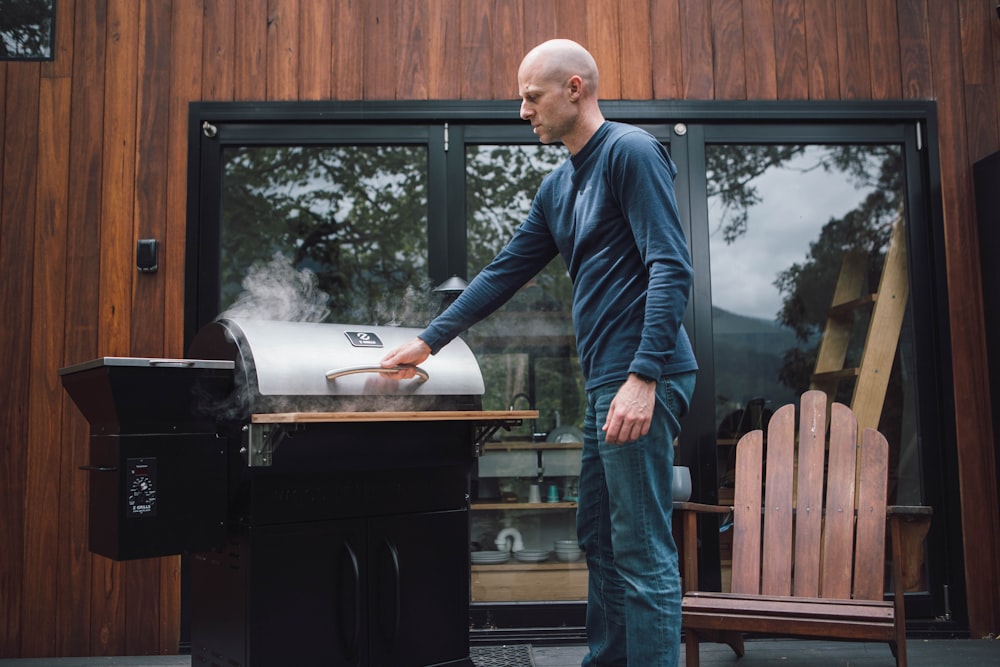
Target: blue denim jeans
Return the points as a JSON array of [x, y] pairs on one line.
[[623, 524]]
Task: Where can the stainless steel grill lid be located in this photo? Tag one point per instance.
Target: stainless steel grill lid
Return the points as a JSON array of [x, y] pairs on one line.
[[305, 366]]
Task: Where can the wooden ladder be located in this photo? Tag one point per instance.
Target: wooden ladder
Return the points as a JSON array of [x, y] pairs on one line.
[[888, 305]]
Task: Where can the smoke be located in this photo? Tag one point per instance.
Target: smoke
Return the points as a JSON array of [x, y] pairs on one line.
[[416, 307], [276, 290]]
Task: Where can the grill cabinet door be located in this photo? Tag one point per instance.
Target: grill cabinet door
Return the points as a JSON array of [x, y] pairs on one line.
[[419, 589], [307, 595]]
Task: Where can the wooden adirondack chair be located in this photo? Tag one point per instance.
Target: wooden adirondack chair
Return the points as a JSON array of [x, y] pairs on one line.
[[802, 566]]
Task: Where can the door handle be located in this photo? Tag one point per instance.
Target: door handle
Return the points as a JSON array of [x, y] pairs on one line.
[[350, 602], [389, 607]]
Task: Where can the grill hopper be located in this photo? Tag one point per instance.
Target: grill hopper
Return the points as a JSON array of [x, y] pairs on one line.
[[312, 367], [158, 467]]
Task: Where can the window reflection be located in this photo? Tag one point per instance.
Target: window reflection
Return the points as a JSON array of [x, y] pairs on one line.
[[527, 353], [501, 181], [786, 221], [355, 217], [26, 29]]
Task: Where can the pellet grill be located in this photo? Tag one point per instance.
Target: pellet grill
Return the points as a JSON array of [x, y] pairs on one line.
[[324, 503]]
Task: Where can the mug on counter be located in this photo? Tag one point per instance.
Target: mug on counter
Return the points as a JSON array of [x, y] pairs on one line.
[[680, 486]]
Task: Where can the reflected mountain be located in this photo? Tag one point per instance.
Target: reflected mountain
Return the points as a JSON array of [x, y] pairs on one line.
[[749, 354]]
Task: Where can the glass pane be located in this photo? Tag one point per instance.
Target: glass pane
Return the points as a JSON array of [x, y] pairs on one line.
[[786, 222], [26, 29], [336, 233], [528, 356], [500, 184]]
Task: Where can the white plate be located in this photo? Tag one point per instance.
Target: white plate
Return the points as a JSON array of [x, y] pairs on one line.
[[489, 557], [531, 556]]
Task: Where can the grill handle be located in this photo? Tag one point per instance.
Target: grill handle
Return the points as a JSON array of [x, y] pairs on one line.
[[171, 363], [332, 375]]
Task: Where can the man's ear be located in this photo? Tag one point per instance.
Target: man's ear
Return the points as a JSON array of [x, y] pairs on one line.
[[575, 87]]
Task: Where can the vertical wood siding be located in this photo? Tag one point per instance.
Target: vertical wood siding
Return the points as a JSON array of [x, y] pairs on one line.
[[95, 157]]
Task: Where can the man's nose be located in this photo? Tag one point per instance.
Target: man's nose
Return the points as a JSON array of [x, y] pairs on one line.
[[525, 111]]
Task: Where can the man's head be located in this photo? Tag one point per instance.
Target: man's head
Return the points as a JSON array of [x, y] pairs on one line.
[[557, 82]]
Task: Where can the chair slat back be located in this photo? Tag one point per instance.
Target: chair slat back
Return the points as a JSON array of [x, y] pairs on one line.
[[838, 539], [809, 493], [836, 552], [746, 513], [776, 576], [869, 559]]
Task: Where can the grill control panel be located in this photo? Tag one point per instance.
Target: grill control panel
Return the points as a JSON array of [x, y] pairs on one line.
[[140, 499]]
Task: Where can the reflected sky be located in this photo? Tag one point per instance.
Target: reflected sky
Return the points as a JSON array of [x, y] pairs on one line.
[[796, 202]]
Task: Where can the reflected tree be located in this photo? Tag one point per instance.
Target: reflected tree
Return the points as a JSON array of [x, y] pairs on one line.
[[530, 340], [26, 29], [354, 215], [500, 184], [731, 171], [807, 286]]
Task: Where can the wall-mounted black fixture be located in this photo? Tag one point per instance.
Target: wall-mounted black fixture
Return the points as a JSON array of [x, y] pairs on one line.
[[449, 290], [145, 255]]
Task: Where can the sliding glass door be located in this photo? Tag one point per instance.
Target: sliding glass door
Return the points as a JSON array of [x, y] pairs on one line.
[[364, 219], [787, 224]]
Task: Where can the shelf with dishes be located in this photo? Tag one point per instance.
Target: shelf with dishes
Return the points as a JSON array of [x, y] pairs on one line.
[[512, 565], [520, 582], [528, 475], [518, 445], [530, 574], [563, 551], [523, 519], [504, 506]]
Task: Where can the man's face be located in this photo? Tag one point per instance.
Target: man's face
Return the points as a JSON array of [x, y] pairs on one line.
[[545, 104]]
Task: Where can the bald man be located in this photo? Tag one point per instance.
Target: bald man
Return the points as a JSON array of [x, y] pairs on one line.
[[611, 213]]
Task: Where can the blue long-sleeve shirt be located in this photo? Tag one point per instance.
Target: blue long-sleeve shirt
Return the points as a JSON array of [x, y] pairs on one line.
[[611, 212]]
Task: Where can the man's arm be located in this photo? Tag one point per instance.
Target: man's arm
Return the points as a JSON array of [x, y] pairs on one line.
[[645, 174]]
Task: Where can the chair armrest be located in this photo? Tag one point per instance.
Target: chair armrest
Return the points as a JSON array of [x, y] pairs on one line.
[[908, 527], [908, 512], [702, 507], [686, 514]]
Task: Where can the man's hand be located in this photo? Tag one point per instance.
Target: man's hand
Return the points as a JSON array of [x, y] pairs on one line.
[[631, 411], [406, 356]]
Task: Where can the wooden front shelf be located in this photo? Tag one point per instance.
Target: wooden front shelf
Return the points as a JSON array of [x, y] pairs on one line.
[[523, 506], [520, 582], [522, 445]]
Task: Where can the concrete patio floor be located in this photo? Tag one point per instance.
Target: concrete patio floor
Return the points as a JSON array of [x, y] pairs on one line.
[[759, 653]]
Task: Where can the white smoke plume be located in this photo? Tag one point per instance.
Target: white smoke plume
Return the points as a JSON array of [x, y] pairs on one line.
[[276, 290]]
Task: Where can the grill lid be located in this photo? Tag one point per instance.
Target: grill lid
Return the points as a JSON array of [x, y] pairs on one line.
[[322, 360]]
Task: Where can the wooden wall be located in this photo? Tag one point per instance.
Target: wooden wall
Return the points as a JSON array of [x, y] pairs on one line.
[[94, 157]]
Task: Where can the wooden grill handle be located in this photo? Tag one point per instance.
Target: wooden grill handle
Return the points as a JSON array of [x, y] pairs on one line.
[[332, 375]]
